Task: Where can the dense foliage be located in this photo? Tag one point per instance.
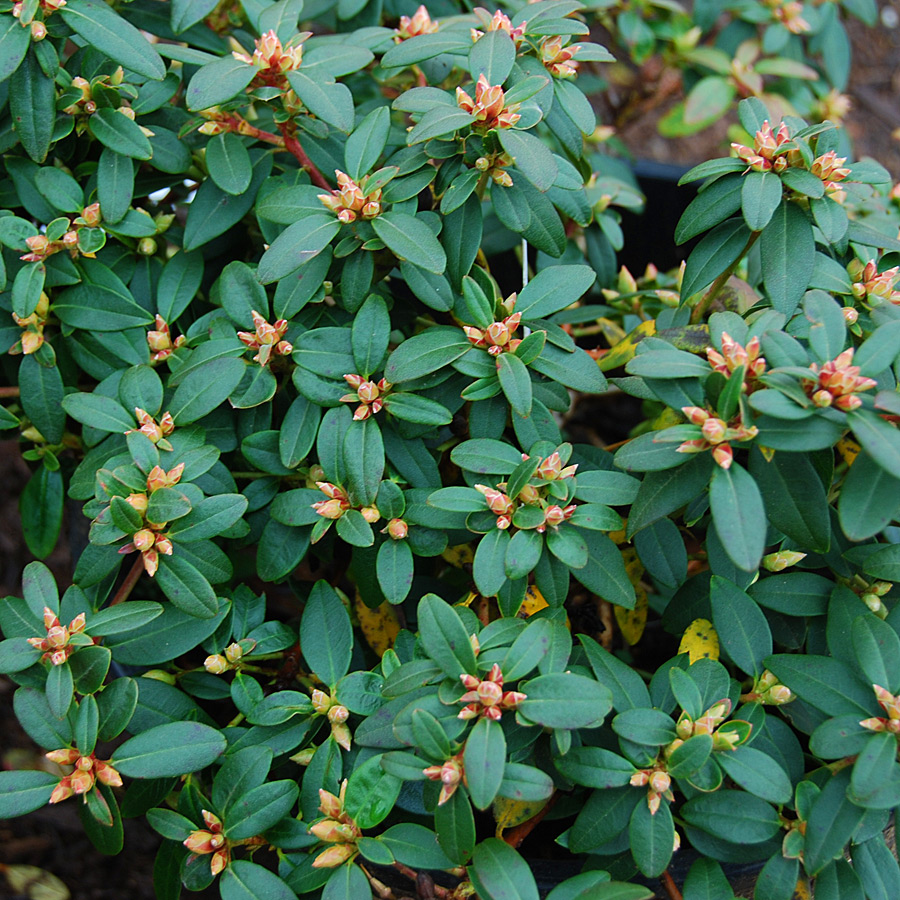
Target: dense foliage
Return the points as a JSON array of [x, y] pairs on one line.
[[295, 319]]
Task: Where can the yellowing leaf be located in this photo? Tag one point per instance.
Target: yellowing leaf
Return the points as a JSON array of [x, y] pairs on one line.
[[35, 883], [632, 621], [459, 556], [848, 449], [700, 641], [666, 419], [626, 348], [509, 813], [534, 602], [379, 626]]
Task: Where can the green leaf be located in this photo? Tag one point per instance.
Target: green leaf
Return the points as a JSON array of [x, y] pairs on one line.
[[651, 837], [364, 460], [736, 816], [209, 518], [713, 205], [116, 38], [41, 510], [760, 196], [177, 748], [14, 43], [824, 682], [877, 648], [788, 255], [425, 353], [879, 439], [426, 46], [394, 569], [115, 184], [32, 103], [721, 248], [244, 880], [205, 388], [417, 846], [218, 82], [485, 760], [444, 637], [186, 587], [831, 823], [229, 163], [756, 772], [331, 102], [326, 636], [260, 808], [565, 700], [41, 394], [742, 627], [869, 499], [875, 777], [532, 157], [455, 826], [438, 122], [492, 55], [515, 382], [498, 872], [178, 284], [296, 245], [97, 411], [367, 142], [24, 791], [552, 289], [120, 134], [738, 515], [604, 574], [489, 565], [410, 239]]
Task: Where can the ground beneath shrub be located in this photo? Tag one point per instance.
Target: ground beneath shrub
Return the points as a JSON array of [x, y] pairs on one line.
[[53, 839]]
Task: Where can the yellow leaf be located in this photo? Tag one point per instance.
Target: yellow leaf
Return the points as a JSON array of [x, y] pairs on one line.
[[379, 626], [534, 602], [626, 348], [848, 449], [700, 641], [666, 419], [35, 883], [510, 813], [459, 556], [632, 621]]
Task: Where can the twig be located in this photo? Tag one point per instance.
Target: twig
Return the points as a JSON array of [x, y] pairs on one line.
[[706, 301], [515, 836], [293, 146], [670, 887], [441, 893], [9, 392], [131, 579]]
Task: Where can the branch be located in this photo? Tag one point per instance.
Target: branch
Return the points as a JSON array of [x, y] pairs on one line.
[[131, 579], [293, 146], [9, 392], [706, 301], [670, 887]]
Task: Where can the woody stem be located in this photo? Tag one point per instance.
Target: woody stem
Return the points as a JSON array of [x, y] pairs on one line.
[[670, 887], [293, 146], [9, 392], [515, 836], [703, 306], [131, 579]]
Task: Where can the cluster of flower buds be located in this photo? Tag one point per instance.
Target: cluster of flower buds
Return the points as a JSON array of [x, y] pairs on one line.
[[872, 597], [451, 774], [369, 395], [716, 435], [411, 26], [711, 723], [499, 21], [337, 503], [208, 840], [156, 431], [161, 344], [337, 714], [555, 515], [56, 645], [149, 543], [499, 504], [489, 107], [219, 663], [734, 356], [769, 151], [769, 691], [157, 478], [40, 246], [837, 383], [495, 168], [551, 468], [350, 201], [872, 286], [486, 697], [658, 783], [88, 771], [396, 529], [337, 828], [781, 560], [497, 337], [891, 705], [32, 326], [26, 12], [790, 14], [557, 59], [831, 169], [267, 340], [273, 60]]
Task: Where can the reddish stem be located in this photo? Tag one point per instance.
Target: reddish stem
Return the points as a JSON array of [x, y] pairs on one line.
[[515, 836], [293, 146], [9, 392], [670, 887], [131, 579]]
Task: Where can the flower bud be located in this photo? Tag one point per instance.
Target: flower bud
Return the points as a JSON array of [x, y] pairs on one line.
[[660, 782], [338, 714], [216, 664], [398, 529], [159, 675], [38, 31], [783, 559], [370, 514]]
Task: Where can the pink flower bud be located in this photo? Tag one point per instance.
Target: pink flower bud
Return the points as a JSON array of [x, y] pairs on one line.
[[398, 529]]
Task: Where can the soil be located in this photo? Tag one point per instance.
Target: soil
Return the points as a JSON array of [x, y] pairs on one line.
[[54, 839]]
